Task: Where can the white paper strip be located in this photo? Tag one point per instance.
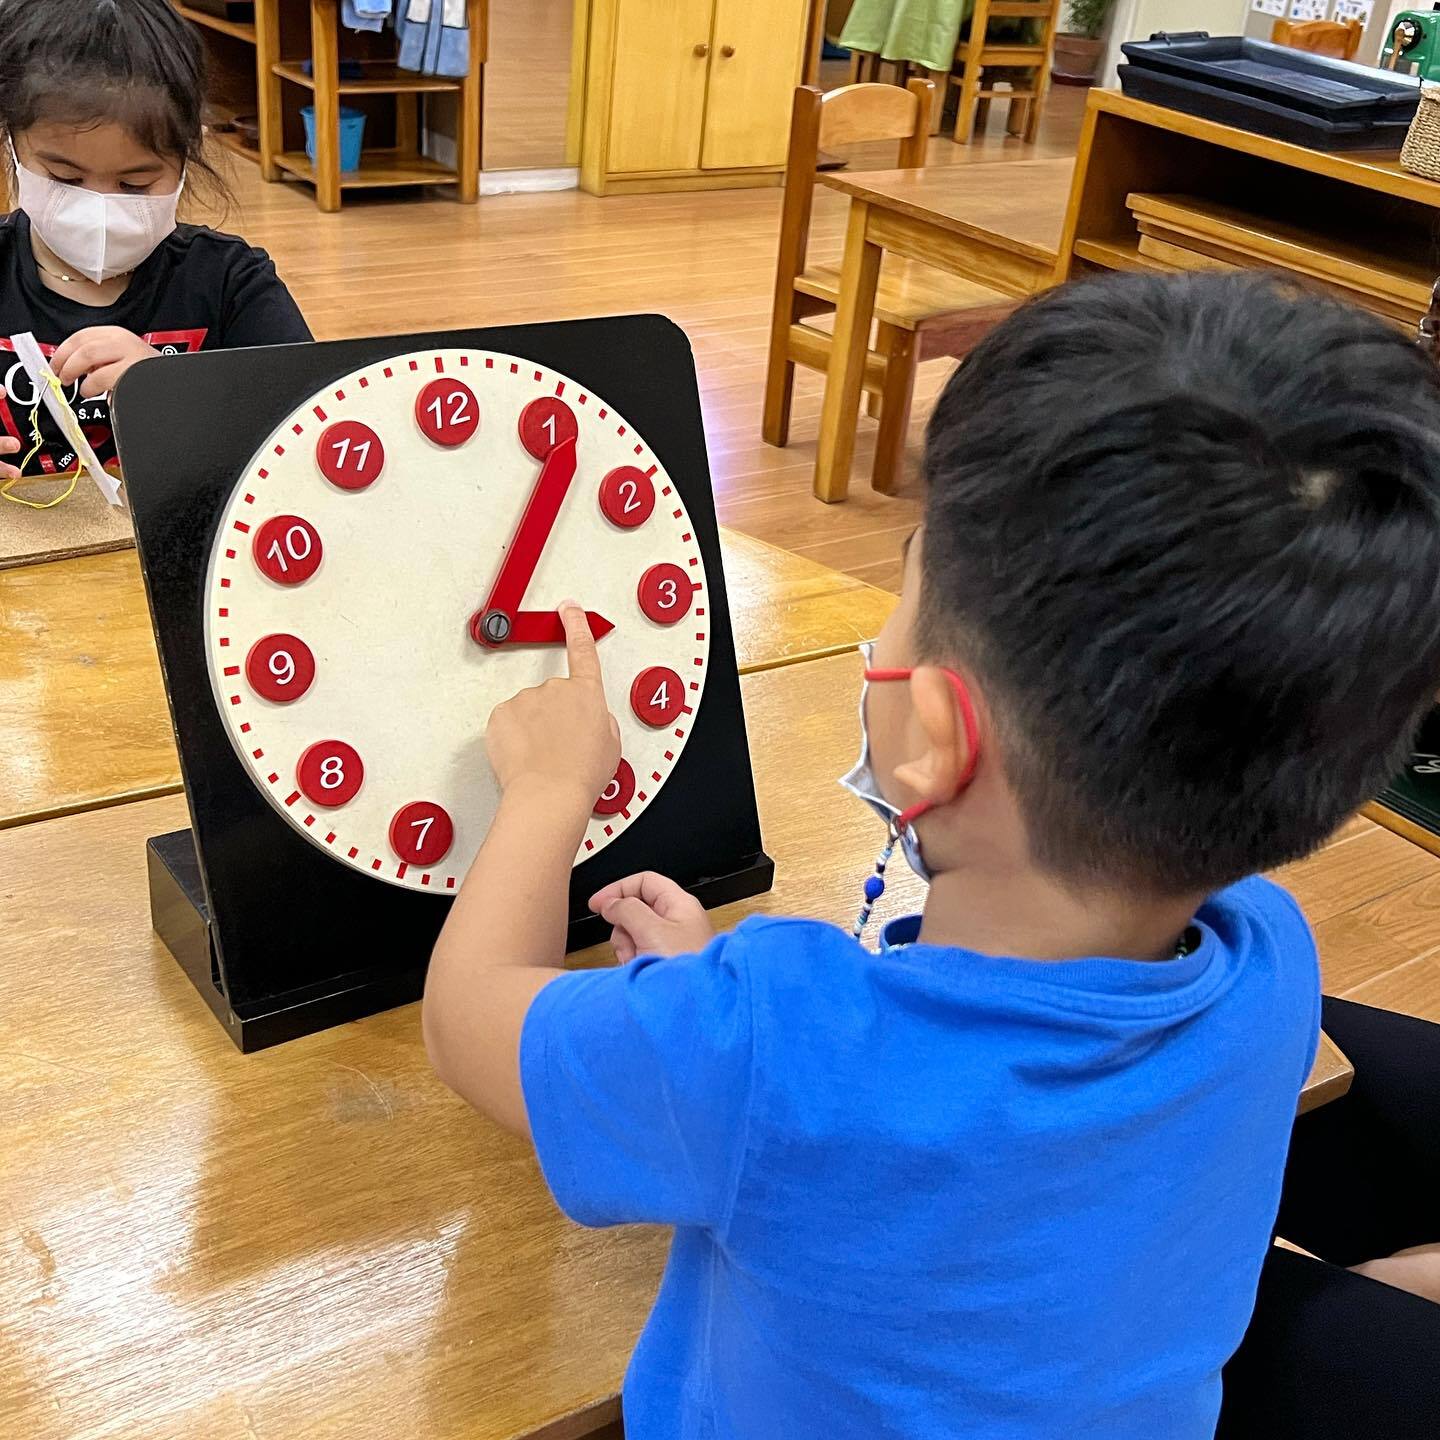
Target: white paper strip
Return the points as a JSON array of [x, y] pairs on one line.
[[27, 351]]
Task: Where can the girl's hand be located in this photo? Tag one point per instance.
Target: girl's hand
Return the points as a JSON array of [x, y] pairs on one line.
[[652, 916], [559, 738], [102, 354], [8, 446]]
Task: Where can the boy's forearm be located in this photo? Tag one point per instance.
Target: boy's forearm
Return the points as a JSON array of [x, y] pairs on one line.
[[502, 943], [513, 908]]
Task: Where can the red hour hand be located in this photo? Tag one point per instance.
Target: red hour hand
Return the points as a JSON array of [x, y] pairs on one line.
[[545, 627], [494, 623]]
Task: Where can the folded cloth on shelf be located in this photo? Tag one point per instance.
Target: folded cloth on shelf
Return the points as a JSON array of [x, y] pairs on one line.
[[434, 37], [365, 14]]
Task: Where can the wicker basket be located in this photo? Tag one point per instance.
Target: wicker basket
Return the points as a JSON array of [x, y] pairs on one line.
[[1421, 152]]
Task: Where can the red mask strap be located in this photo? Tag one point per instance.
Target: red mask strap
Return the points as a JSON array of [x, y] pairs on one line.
[[972, 736]]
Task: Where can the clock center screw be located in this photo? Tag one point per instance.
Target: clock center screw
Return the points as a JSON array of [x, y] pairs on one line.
[[496, 626]]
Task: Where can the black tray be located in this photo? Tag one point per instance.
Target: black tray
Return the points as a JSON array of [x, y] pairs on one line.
[[1260, 117], [1333, 90]]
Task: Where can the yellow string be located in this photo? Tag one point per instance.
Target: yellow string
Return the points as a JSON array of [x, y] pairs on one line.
[[23, 479]]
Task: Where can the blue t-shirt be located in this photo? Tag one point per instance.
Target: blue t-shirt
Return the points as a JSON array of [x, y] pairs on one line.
[[934, 1192]]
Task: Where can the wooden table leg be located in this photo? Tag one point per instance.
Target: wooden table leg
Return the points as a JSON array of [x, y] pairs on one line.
[[841, 412], [267, 86], [325, 53]]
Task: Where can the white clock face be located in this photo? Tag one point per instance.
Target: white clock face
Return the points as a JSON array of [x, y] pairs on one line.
[[387, 571]]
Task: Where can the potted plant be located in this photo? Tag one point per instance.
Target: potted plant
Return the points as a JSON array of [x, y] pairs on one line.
[[1078, 49]]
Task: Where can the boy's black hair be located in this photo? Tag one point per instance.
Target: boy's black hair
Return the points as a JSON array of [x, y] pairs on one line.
[[1185, 531], [82, 62]]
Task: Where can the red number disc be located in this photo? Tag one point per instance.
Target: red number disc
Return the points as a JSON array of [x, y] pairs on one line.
[[288, 549], [546, 423], [657, 696], [350, 455], [421, 833], [627, 497], [618, 793], [447, 412], [665, 594], [280, 668], [330, 773]]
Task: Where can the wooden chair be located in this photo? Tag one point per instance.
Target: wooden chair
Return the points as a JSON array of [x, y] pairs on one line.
[[920, 312], [1026, 62], [1339, 39]]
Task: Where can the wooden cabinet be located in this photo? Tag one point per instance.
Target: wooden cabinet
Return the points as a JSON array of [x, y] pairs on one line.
[[657, 108], [754, 69], [683, 94]]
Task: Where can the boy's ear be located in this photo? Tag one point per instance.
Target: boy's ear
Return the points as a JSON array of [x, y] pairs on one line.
[[935, 773]]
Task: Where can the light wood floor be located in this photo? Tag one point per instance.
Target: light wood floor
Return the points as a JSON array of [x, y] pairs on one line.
[[391, 266]]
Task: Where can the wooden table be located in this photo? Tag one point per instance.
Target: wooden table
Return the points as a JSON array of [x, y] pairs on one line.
[[318, 1240], [82, 709], [999, 224]]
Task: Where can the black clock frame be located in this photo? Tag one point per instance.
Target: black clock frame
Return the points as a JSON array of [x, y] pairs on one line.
[[280, 938]]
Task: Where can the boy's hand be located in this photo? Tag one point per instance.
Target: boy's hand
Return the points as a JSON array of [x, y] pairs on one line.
[[652, 916], [102, 354], [560, 736]]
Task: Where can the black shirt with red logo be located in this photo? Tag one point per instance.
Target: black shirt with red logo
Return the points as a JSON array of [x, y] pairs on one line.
[[200, 290]]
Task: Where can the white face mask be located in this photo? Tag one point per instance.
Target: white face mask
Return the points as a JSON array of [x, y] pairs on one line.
[[101, 236], [860, 781]]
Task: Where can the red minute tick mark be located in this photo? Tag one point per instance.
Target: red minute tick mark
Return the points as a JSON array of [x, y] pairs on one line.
[[493, 624]]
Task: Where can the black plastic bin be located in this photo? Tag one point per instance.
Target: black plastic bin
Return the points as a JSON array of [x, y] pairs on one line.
[[1273, 90]]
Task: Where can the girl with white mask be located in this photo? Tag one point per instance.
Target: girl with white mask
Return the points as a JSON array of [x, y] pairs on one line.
[[100, 109]]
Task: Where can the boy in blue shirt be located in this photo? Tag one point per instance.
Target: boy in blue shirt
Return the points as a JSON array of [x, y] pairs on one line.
[[1173, 614]]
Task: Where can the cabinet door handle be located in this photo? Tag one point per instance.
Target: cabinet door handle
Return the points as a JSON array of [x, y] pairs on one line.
[[702, 49], [727, 51]]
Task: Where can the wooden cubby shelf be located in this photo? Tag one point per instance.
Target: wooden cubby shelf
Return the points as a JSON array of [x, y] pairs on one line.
[[1158, 190], [255, 80]]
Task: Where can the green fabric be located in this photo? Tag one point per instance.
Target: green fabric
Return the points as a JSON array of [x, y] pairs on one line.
[[924, 32]]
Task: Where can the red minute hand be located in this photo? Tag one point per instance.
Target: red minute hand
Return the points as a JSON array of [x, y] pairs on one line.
[[493, 624]]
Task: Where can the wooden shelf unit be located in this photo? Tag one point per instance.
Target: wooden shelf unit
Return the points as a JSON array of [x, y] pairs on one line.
[[1326, 218], [392, 157], [1313, 214]]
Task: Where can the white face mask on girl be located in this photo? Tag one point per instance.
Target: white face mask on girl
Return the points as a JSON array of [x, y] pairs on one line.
[[101, 236]]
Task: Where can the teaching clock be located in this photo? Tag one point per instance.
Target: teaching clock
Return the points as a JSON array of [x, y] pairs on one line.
[[387, 571], [354, 552]]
